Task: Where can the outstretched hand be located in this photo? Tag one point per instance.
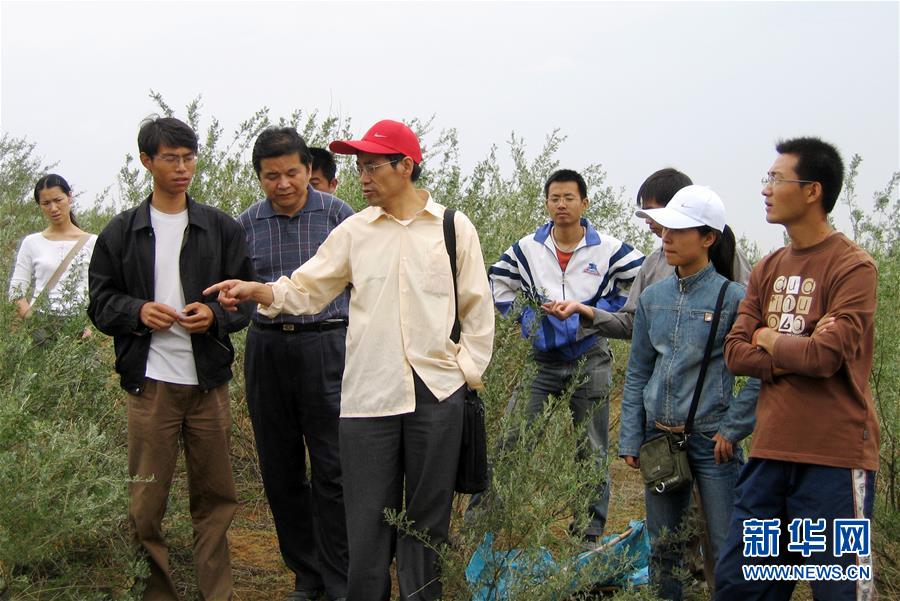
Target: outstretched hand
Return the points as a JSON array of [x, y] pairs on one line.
[[233, 292], [565, 309]]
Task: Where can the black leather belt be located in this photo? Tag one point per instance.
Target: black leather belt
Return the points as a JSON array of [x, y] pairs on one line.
[[293, 328]]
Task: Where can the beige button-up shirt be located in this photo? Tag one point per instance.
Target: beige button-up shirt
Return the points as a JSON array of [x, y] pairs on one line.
[[401, 306]]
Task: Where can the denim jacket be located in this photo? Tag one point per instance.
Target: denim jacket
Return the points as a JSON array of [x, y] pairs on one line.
[[671, 326]]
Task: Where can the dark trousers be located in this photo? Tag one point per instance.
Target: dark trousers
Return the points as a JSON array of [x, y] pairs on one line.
[[294, 398], [160, 416], [589, 401], [768, 489], [385, 459]]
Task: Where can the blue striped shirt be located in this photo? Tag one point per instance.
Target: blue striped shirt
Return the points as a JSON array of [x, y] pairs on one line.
[[279, 244]]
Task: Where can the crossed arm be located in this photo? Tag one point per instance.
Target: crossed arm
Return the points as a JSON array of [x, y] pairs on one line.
[[762, 352], [765, 338]]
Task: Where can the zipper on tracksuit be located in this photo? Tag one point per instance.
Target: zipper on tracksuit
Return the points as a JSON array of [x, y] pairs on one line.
[[562, 271]]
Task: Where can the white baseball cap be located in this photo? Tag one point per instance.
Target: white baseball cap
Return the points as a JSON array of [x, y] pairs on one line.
[[692, 206]]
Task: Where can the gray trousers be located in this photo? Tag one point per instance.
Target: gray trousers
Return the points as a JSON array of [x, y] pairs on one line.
[[385, 460], [590, 402]]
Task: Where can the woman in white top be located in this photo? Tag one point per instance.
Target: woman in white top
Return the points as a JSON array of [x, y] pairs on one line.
[[41, 253]]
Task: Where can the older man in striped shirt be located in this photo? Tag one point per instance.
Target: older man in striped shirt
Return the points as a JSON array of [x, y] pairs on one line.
[[293, 369]]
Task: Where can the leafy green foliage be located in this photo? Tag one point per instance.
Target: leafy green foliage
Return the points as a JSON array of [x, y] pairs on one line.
[[62, 462], [878, 231], [63, 473]]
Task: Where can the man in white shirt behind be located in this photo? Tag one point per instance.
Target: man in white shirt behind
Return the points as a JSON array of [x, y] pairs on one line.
[[404, 380]]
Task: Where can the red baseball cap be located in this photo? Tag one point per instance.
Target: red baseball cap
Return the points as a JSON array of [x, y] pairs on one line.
[[385, 137]]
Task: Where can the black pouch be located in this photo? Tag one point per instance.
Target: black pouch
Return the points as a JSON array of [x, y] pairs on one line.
[[664, 463], [472, 473]]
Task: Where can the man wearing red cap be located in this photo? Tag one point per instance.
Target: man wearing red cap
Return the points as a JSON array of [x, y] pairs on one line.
[[404, 381]]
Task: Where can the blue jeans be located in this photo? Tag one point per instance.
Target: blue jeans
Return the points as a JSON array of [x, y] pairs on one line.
[[666, 511], [590, 401]]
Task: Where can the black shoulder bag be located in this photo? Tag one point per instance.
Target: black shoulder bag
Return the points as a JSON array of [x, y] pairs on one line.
[[664, 459], [472, 472]]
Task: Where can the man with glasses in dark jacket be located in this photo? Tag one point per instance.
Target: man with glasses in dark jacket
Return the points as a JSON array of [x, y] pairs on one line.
[[173, 355]]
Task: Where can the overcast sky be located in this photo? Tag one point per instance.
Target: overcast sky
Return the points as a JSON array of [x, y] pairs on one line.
[[704, 87]]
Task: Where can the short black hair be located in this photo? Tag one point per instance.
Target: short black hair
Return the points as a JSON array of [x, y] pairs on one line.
[[817, 161], [662, 185], [277, 142], [397, 157], [159, 131], [324, 162], [566, 175]]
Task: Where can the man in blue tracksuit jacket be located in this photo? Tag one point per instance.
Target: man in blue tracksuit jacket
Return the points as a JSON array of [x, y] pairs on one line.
[[568, 259]]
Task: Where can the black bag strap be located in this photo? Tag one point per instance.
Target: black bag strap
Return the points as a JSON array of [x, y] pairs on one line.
[[706, 354], [450, 243]]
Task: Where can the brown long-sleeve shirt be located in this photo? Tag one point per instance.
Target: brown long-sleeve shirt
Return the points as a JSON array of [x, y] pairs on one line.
[[823, 411]]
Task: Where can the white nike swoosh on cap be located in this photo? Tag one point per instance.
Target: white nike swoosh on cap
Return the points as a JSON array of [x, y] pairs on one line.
[[379, 135]]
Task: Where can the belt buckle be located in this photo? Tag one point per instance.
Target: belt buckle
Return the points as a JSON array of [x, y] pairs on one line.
[[287, 327]]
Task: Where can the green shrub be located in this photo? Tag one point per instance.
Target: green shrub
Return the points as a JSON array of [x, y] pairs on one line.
[[63, 473], [878, 231]]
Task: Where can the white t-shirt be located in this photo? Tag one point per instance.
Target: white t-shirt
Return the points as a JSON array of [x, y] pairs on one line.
[[171, 357], [36, 262]]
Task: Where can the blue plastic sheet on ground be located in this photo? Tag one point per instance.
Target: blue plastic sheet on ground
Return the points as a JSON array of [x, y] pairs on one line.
[[495, 573]]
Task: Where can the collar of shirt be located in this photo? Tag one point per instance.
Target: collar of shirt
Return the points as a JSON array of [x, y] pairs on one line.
[[315, 201], [372, 214], [687, 282], [196, 216], [591, 236]]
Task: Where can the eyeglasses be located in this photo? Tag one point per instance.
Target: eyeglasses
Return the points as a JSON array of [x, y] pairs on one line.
[[559, 199], [175, 159], [771, 180], [370, 169]]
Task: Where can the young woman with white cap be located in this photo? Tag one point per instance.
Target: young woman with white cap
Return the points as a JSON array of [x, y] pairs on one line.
[[672, 325]]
